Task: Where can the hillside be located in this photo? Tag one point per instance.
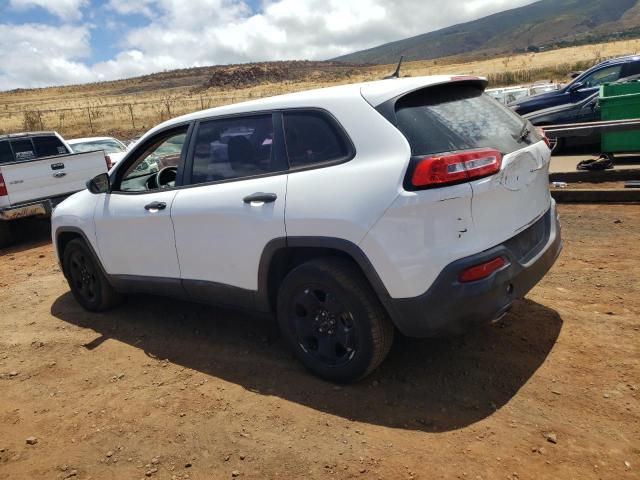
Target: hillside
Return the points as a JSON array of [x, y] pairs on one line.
[[541, 25]]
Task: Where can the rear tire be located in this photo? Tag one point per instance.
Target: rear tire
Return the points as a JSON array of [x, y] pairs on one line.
[[5, 234], [333, 321], [88, 284]]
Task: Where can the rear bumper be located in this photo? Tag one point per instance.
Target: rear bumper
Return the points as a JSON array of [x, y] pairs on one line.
[[450, 307], [31, 209]]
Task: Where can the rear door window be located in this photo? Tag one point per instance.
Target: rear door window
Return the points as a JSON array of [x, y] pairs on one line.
[[23, 149], [48, 145], [6, 155], [235, 147], [311, 138], [456, 117]]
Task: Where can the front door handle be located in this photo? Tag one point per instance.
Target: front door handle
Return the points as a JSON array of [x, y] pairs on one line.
[[260, 197], [155, 206]]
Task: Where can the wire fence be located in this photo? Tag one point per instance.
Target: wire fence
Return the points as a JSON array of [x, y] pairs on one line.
[[121, 118]]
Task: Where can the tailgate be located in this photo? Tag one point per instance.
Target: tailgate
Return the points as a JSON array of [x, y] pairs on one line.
[[507, 203], [51, 176]]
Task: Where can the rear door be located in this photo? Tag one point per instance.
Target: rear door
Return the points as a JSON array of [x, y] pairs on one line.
[[459, 117], [44, 168], [233, 208]]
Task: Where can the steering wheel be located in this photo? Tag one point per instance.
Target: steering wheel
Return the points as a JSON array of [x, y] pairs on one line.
[[166, 177]]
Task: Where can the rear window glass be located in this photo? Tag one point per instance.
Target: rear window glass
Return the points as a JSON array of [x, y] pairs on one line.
[[23, 149], [6, 155], [456, 117], [312, 138], [48, 145]]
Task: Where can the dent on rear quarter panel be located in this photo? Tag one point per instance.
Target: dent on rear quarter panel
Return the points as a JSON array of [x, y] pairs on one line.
[[418, 236]]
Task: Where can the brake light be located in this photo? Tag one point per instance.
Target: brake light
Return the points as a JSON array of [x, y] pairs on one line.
[[107, 159], [478, 272], [3, 187], [454, 168], [544, 136]]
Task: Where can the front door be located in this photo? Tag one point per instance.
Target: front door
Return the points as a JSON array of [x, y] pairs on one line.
[[133, 222], [234, 208]]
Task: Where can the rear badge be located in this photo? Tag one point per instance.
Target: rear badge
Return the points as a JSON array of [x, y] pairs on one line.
[[57, 166]]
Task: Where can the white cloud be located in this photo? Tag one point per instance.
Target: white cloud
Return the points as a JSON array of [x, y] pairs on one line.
[[128, 7], [182, 34], [39, 55], [65, 9]]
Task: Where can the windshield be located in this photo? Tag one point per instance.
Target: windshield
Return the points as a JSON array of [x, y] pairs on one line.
[[108, 145], [457, 117]]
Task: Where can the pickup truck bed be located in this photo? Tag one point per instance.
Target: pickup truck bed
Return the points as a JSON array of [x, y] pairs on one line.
[[33, 187]]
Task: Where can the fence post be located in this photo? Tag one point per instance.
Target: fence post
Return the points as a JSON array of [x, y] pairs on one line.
[[90, 122], [133, 123], [201, 103], [40, 120]]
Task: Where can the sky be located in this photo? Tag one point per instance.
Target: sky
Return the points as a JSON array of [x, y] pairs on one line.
[[60, 42]]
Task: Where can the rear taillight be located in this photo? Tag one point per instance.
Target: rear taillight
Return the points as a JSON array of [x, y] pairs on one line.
[[452, 168], [107, 159], [3, 187], [483, 270], [544, 136]]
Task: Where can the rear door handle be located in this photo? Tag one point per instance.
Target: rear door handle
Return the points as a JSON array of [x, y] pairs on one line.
[[260, 197], [155, 206]]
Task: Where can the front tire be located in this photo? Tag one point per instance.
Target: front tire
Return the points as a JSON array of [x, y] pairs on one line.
[[88, 284], [333, 321]]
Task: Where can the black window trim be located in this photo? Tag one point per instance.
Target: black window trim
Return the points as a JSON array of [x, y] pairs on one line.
[[115, 180], [279, 141], [183, 178], [277, 151], [351, 149]]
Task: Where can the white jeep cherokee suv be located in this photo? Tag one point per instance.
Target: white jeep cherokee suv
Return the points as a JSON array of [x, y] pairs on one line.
[[417, 203]]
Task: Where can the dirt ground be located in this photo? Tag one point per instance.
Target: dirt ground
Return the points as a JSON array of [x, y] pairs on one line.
[[166, 389]]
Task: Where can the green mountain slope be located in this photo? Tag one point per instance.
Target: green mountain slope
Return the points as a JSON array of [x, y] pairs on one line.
[[540, 24]]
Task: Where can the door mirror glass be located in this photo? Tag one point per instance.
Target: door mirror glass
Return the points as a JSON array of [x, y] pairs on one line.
[[99, 184]]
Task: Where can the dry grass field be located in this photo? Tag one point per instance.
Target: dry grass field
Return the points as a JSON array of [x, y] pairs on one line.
[[127, 107]]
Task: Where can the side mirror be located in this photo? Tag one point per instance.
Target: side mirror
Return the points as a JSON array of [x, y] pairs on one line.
[[575, 74], [99, 184], [576, 86]]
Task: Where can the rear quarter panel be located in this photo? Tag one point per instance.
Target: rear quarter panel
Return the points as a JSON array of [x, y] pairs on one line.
[[345, 200]]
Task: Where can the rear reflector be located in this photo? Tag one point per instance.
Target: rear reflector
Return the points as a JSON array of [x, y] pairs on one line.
[[452, 168], [478, 272], [3, 187]]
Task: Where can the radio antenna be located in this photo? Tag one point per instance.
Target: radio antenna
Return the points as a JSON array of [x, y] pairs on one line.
[[396, 74]]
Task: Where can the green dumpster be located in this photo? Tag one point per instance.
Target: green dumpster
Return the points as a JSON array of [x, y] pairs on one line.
[[620, 101]]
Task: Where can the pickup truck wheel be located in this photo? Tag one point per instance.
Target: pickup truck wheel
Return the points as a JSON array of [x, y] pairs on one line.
[[333, 321], [88, 284], [5, 234]]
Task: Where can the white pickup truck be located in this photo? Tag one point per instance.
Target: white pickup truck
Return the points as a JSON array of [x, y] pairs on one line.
[[38, 171]]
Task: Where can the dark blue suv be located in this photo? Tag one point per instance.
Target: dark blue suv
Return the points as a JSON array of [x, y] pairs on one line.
[[581, 87]]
